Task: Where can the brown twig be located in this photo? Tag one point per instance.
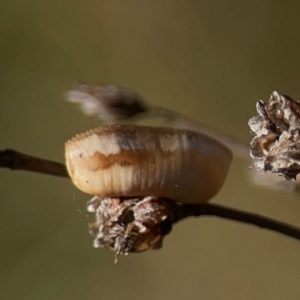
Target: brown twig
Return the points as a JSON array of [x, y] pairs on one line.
[[18, 161], [14, 160], [195, 210]]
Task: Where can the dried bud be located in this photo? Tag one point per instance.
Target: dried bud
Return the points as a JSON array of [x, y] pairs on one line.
[[131, 225], [110, 103], [276, 144]]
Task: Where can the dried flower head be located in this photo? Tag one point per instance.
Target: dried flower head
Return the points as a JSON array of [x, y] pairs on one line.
[[131, 225], [276, 143]]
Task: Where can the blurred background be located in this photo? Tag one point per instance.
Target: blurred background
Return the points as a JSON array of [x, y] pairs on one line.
[[210, 60]]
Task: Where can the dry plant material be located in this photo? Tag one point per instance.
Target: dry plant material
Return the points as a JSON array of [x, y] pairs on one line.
[[136, 172], [131, 225], [276, 145]]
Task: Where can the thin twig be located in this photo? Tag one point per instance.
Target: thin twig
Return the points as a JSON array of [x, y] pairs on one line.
[[18, 161], [195, 210], [14, 160]]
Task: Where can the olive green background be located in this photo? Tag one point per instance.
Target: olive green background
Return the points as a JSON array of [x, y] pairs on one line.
[[208, 59]]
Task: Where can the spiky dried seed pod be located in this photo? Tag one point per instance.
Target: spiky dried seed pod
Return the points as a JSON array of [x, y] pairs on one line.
[[276, 143], [131, 225]]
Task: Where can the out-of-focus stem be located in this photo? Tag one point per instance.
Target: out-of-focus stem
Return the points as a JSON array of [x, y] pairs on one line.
[[179, 120]]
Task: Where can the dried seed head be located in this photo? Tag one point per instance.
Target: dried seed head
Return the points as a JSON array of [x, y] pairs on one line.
[[137, 161], [276, 144], [131, 225]]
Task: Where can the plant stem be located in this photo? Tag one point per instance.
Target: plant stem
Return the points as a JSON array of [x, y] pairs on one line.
[[14, 160], [195, 210], [19, 161]]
